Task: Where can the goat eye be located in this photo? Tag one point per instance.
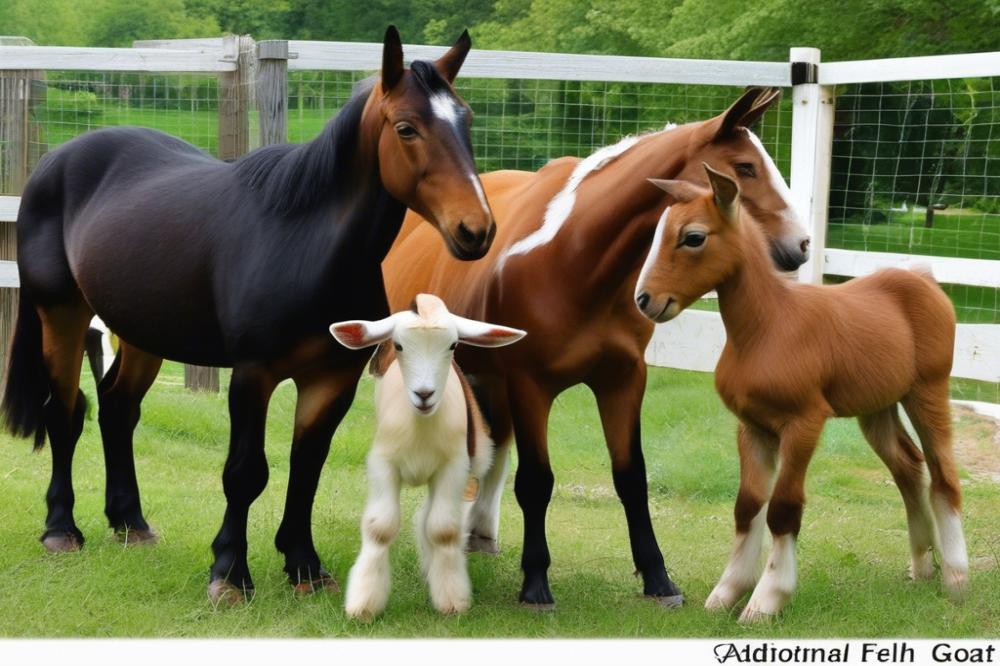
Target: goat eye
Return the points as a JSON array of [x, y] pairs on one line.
[[398, 346], [406, 131], [693, 239], [453, 346], [745, 169]]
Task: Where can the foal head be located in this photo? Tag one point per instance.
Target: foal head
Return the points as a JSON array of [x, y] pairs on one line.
[[425, 148], [424, 339], [696, 245], [727, 143]]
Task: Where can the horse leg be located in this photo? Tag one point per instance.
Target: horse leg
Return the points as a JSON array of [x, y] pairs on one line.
[[757, 460], [530, 407], [796, 446], [323, 400], [929, 410], [887, 437], [484, 517], [120, 395], [64, 327], [619, 391], [243, 480]]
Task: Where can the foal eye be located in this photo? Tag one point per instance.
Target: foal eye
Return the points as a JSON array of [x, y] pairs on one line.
[[398, 346], [693, 239], [745, 169], [406, 131]]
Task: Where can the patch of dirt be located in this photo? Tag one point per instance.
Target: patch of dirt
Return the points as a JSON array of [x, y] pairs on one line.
[[977, 443]]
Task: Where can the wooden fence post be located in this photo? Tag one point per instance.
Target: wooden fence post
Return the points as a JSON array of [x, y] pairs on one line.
[[272, 91], [235, 97], [20, 148]]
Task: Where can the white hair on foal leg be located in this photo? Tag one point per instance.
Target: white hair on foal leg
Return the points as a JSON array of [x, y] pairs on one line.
[[369, 581], [954, 558], [741, 571], [776, 585], [484, 518]]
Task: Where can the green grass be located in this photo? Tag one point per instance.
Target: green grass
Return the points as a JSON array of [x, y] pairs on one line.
[[853, 549]]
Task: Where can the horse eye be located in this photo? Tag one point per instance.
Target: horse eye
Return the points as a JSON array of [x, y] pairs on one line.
[[453, 346], [693, 239], [745, 169], [398, 346], [406, 131]]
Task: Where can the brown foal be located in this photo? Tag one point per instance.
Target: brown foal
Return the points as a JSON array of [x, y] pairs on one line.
[[797, 355]]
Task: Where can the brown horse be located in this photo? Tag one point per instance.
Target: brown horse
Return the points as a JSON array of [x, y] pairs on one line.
[[797, 355], [570, 244], [241, 265]]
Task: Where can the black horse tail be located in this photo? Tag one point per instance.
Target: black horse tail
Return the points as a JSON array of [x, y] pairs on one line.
[[27, 385]]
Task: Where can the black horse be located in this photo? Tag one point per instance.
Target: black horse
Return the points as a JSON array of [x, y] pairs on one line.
[[240, 265]]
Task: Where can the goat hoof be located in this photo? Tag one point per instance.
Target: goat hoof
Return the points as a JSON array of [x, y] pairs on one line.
[[223, 593], [481, 544], [62, 542], [138, 537], [672, 601], [324, 582]]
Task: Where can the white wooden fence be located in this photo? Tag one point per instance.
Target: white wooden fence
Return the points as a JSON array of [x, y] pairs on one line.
[[693, 340]]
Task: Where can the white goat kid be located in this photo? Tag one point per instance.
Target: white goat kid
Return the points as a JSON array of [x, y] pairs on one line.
[[428, 431]]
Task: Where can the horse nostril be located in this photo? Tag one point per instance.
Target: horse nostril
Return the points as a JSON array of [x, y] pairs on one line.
[[424, 395], [642, 300], [804, 245]]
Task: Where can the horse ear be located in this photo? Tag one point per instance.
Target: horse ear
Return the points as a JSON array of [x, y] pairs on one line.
[[451, 62], [680, 191], [392, 59], [733, 116], [725, 190], [358, 334], [763, 103], [481, 334]]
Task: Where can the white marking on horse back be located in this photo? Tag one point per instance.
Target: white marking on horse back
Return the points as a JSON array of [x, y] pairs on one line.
[[777, 182], [654, 251], [444, 107], [561, 205]]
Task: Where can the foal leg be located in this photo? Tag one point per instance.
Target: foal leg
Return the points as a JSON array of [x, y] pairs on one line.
[[530, 407], [120, 395], [784, 518], [443, 546], [619, 393], [369, 580], [64, 327], [929, 410], [758, 451], [323, 400], [243, 480], [889, 440]]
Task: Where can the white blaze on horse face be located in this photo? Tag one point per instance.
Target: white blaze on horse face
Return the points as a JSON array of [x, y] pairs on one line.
[[778, 184], [561, 205], [445, 108], [654, 252], [476, 185]]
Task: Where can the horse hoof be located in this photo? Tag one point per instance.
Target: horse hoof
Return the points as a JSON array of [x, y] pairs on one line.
[[62, 542], [223, 593], [325, 583], [673, 601], [128, 537], [539, 608], [480, 544]]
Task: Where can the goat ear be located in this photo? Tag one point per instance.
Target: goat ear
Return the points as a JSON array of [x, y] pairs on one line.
[[392, 59], [725, 191], [481, 334], [358, 334], [451, 62], [680, 191]]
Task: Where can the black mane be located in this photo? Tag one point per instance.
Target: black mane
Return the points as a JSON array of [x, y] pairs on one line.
[[291, 178]]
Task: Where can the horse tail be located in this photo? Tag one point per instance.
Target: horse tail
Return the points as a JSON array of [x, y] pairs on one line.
[[27, 385]]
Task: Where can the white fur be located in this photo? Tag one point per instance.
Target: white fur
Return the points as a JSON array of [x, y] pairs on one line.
[[778, 184], [954, 558], [561, 205], [420, 440], [484, 519], [654, 251], [109, 354], [445, 108], [478, 187], [741, 572], [777, 584]]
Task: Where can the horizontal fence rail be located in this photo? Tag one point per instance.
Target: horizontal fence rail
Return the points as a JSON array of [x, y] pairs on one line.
[[95, 59]]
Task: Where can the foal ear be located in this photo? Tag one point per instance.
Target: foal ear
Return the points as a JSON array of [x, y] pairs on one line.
[[733, 117], [451, 62], [358, 334], [481, 334], [392, 59], [725, 190], [681, 191]]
